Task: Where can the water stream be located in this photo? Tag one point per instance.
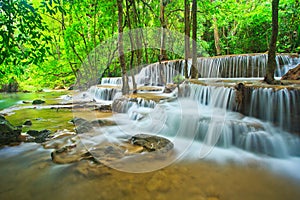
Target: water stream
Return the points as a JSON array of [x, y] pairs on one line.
[[219, 152]]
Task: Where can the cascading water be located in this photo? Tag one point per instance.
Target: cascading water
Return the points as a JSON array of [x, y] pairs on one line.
[[111, 81], [234, 66], [280, 107], [210, 123], [158, 74], [103, 93]]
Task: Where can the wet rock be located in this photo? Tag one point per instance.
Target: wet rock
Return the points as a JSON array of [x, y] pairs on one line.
[[103, 108], [39, 136], [120, 105], [25, 138], [152, 142], [103, 122], [292, 74], [8, 132], [27, 122], [170, 88], [82, 125], [70, 154], [33, 133], [38, 101]]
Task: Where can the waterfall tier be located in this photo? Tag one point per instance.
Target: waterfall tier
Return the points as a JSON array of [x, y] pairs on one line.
[[103, 93]]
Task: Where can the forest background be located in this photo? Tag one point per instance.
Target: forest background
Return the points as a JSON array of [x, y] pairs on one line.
[[43, 43]]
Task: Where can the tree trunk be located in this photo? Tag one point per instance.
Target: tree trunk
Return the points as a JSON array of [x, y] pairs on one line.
[[216, 35], [269, 78], [187, 28], [163, 53], [125, 86], [132, 48], [194, 73]]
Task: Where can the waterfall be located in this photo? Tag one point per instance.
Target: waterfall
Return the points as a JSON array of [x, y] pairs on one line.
[[280, 107], [232, 66], [247, 65], [211, 126], [212, 96], [123, 104], [111, 81], [103, 93], [159, 74]]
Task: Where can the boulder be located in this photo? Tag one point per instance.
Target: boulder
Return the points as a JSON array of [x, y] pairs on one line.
[[292, 74], [8, 132], [27, 122], [39, 136], [38, 101], [82, 125], [152, 143]]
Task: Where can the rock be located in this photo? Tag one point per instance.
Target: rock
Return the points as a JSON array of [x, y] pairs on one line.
[[8, 132], [152, 143], [39, 136], [38, 101], [25, 138], [71, 87], [27, 122], [33, 133], [102, 122], [292, 74], [69, 154], [170, 88], [104, 108], [82, 125], [119, 105]]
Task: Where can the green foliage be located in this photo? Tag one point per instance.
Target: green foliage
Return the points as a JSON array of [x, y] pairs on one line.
[[22, 41], [178, 79], [49, 43]]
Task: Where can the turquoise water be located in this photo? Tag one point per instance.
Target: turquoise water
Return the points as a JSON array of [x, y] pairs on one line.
[[10, 99]]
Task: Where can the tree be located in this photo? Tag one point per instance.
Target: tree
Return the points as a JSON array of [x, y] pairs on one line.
[[22, 41], [269, 77], [194, 73], [163, 22], [125, 86], [187, 27], [216, 34]]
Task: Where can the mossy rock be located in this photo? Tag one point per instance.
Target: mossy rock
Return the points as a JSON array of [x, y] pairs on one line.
[[152, 143], [8, 132], [38, 101]]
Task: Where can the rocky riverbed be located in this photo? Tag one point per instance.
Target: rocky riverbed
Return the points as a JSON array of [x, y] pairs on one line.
[[53, 150]]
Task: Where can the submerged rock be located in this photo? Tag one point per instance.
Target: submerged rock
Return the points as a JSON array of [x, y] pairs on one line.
[[292, 74], [70, 154], [38, 101], [8, 133], [152, 142]]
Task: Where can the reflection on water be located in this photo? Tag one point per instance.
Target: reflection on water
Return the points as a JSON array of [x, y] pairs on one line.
[[27, 172]]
